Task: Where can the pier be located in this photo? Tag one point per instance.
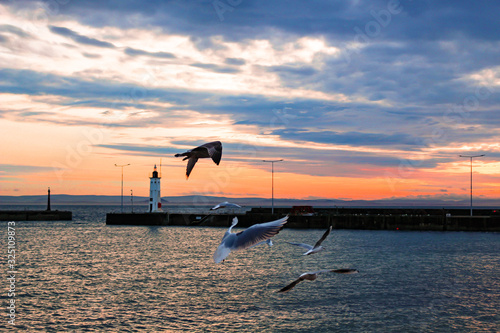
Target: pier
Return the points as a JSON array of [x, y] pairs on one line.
[[339, 218], [37, 215]]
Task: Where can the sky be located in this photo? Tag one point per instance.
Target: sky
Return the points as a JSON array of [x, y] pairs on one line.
[[362, 100]]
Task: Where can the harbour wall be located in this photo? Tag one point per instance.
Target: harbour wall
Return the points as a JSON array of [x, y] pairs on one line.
[[364, 219], [35, 215]]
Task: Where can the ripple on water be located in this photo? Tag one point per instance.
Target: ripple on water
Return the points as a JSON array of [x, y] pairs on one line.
[[92, 277]]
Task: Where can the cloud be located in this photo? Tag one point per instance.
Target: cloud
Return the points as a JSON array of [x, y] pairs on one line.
[[14, 30], [235, 61], [91, 55], [135, 52], [348, 138], [289, 119], [19, 169], [334, 88], [298, 71], [216, 68], [414, 19], [99, 91], [143, 150], [79, 38]]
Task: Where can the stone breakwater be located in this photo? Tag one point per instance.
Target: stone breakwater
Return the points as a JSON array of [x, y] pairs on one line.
[[35, 215], [339, 218]]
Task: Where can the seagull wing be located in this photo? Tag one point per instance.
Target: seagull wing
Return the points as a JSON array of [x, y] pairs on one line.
[[312, 276], [225, 204], [187, 153], [258, 233], [305, 246], [214, 150], [215, 207], [345, 271], [267, 241], [318, 272], [290, 286], [190, 165], [327, 232]]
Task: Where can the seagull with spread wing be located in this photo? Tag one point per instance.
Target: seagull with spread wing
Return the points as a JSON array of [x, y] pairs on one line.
[[225, 204], [317, 247], [247, 238], [311, 276], [211, 149]]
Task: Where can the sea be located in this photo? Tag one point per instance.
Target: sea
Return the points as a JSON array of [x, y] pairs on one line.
[[85, 276]]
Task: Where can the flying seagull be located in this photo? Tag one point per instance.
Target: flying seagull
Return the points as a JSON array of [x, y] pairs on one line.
[[317, 247], [247, 238], [211, 149], [225, 204], [311, 276]]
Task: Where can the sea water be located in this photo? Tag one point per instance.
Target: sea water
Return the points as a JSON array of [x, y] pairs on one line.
[[84, 276]]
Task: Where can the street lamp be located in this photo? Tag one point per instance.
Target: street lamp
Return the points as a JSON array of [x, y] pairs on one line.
[[272, 182], [471, 157], [132, 199], [121, 166]]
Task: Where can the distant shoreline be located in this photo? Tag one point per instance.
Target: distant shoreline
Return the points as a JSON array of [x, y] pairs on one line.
[[199, 200], [165, 207]]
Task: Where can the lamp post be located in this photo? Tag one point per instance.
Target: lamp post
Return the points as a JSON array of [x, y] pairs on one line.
[[121, 166], [272, 182], [132, 199], [471, 157]]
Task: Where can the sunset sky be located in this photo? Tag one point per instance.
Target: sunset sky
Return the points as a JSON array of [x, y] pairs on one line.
[[362, 99]]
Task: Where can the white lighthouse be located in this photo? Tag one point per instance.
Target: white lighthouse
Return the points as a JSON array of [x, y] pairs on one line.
[[154, 193]]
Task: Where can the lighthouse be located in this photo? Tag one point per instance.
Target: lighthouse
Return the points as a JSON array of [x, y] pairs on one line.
[[154, 193]]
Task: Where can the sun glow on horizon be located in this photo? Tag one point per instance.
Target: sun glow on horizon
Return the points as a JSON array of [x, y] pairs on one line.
[[78, 98]]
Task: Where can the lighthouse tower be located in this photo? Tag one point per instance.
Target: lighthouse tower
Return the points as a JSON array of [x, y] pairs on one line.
[[154, 193]]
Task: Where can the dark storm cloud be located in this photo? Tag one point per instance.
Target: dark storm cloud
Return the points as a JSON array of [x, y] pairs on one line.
[[79, 38]]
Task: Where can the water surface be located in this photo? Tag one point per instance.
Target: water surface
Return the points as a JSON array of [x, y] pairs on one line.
[[82, 275]]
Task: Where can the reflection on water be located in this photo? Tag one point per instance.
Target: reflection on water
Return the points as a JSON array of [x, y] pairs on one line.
[[82, 275]]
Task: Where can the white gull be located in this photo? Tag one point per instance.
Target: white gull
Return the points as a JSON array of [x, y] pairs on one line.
[[317, 247], [247, 238], [225, 204], [311, 276]]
